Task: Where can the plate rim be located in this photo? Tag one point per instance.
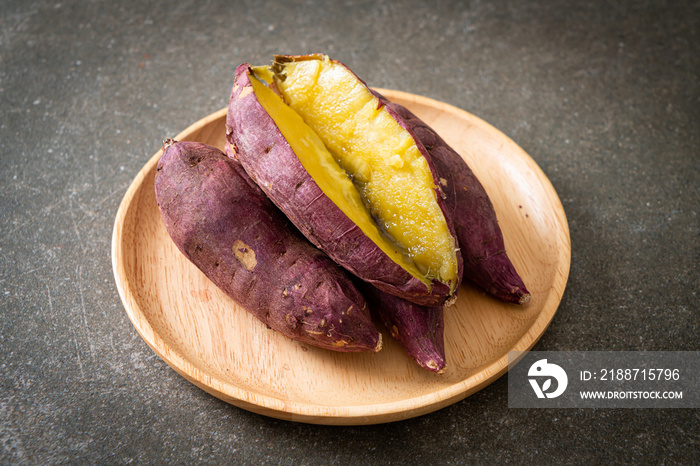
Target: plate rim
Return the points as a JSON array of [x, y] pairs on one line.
[[342, 415]]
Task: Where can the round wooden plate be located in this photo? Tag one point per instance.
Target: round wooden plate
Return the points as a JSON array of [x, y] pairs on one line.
[[212, 342]]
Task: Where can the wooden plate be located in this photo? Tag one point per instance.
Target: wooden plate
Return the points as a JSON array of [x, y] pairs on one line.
[[219, 347]]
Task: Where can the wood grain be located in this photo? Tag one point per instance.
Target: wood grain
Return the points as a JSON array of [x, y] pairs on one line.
[[219, 347]]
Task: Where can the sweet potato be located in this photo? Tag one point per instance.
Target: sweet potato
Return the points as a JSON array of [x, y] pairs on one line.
[[377, 210], [225, 225], [481, 243], [419, 329], [480, 239]]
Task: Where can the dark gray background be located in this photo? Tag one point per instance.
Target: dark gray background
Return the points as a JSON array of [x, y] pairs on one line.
[[603, 95]]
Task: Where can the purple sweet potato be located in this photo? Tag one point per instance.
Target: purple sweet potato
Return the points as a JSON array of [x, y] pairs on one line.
[[224, 224], [419, 329], [331, 200], [486, 262]]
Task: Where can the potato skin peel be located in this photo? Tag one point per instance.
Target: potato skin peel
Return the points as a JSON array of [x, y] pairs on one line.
[[272, 164], [486, 262], [221, 221]]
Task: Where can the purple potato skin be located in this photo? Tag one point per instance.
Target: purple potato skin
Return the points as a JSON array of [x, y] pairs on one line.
[[419, 329], [486, 262], [221, 221], [269, 160]]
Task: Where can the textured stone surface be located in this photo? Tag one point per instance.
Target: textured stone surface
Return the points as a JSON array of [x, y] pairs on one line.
[[605, 96]]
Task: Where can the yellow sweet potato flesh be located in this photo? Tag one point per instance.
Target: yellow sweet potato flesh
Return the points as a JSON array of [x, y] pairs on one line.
[[326, 172], [389, 172]]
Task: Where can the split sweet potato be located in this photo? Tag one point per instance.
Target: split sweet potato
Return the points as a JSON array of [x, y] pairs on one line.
[[378, 212], [316, 86], [227, 227]]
